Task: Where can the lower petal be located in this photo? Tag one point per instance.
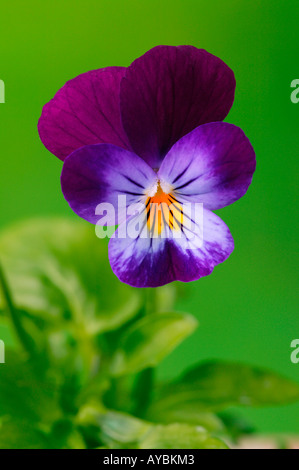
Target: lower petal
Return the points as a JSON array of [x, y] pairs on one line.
[[145, 261]]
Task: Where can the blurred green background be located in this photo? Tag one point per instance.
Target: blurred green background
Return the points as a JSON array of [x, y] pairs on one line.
[[248, 308]]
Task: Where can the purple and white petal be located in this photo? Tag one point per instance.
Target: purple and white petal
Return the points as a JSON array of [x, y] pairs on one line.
[[104, 174], [168, 92], [84, 111], [151, 262], [213, 165]]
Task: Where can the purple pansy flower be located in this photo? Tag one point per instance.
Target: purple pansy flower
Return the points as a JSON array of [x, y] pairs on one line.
[[152, 132]]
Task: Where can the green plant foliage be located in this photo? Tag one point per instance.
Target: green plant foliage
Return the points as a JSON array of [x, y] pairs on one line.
[[55, 268], [184, 413], [25, 392], [82, 350], [216, 385], [121, 430], [149, 340], [19, 435], [180, 436]]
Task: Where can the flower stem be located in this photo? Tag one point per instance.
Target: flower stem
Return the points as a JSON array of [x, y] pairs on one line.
[[142, 392], [150, 301], [24, 337], [144, 382]]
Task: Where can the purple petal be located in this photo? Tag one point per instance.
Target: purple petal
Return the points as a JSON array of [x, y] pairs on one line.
[[168, 92], [97, 174], [213, 164], [152, 262], [84, 111]]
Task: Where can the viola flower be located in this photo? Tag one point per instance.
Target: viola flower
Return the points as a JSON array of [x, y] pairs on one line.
[[152, 132]]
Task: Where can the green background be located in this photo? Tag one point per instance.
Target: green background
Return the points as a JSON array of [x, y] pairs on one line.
[[248, 308]]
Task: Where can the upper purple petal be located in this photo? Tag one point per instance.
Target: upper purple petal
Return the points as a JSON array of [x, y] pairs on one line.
[[168, 92], [84, 111], [213, 165], [97, 174]]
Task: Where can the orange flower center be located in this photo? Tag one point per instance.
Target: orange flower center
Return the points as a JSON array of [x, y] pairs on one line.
[[162, 210]]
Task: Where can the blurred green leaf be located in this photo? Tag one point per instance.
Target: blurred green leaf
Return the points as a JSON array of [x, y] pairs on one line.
[[142, 391], [217, 384], [121, 427], [113, 428], [235, 425], [121, 430], [6, 332], [180, 436], [149, 340], [25, 339], [64, 435], [16, 434], [184, 413], [25, 393], [59, 269]]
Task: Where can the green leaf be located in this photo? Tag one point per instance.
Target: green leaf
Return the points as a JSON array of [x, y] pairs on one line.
[[6, 333], [59, 270], [235, 425], [25, 394], [187, 414], [64, 435], [121, 430], [149, 340], [16, 434], [180, 436], [121, 427], [217, 385], [142, 391], [114, 428], [21, 332]]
